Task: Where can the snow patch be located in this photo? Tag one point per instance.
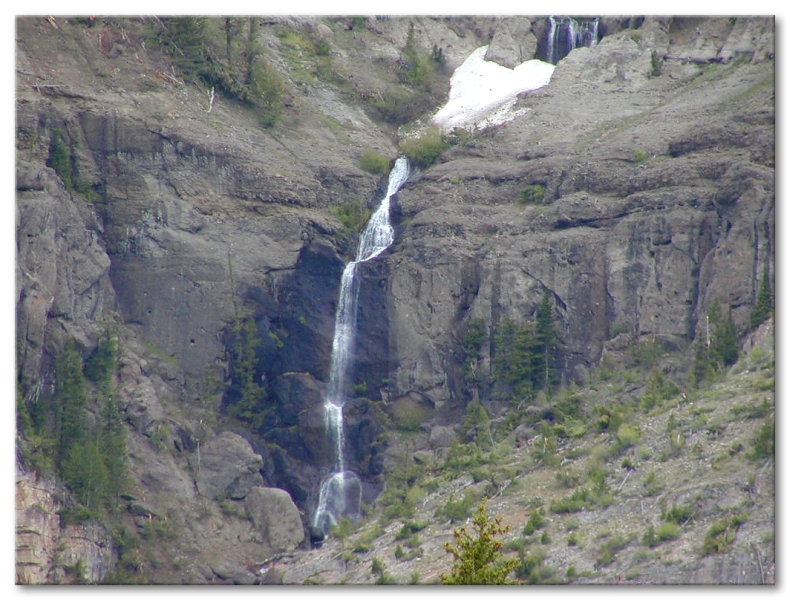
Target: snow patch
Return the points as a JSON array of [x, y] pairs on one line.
[[483, 93]]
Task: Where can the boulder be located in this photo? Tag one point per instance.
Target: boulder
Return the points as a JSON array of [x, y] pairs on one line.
[[513, 42], [275, 517], [232, 572], [442, 437], [227, 465]]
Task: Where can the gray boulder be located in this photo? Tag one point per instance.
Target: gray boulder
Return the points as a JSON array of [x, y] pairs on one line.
[[275, 517], [513, 42], [227, 465], [230, 571]]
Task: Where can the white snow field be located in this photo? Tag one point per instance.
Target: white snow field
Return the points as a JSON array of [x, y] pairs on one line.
[[483, 93]]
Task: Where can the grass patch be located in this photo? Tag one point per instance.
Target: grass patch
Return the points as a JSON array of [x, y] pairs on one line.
[[373, 162], [352, 216], [423, 151]]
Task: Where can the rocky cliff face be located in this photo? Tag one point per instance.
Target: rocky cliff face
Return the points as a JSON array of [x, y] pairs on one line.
[[644, 219], [653, 154]]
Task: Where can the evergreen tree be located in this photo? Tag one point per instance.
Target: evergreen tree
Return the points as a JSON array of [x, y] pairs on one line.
[[545, 343], [701, 368], [245, 396], [103, 363], [719, 348], [86, 475], [184, 37], [472, 343], [503, 343], [476, 421], [522, 374], [763, 308], [111, 445], [726, 342], [70, 419], [60, 159], [477, 556]]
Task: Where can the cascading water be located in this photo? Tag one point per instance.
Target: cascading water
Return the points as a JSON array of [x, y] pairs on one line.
[[341, 492], [567, 33]]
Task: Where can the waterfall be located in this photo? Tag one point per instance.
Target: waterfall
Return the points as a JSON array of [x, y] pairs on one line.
[[341, 492], [551, 50], [569, 33]]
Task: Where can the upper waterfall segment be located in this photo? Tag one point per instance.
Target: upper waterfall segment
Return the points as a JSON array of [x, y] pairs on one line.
[[378, 233], [483, 93]]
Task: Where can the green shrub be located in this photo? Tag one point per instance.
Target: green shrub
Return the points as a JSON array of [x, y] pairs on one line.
[[609, 550], [266, 90], [579, 500], [640, 156], [532, 194], [409, 528], [763, 442], [659, 388], [399, 105], [652, 485], [721, 535], [424, 150], [373, 162], [532, 569], [567, 478], [352, 216], [645, 354], [536, 521], [608, 419], [655, 64], [668, 531], [456, 511], [679, 514], [76, 515], [650, 539], [627, 435], [462, 458]]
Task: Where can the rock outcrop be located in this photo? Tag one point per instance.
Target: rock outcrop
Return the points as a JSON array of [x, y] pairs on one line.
[[48, 548], [644, 219]]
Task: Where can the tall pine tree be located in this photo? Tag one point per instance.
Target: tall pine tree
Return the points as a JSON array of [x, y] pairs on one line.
[[763, 307], [546, 340], [70, 418], [245, 396]]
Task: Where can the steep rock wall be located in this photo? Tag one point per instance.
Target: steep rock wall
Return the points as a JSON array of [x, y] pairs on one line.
[[657, 198]]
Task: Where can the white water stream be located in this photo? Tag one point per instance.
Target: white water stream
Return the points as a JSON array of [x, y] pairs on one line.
[[341, 492]]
